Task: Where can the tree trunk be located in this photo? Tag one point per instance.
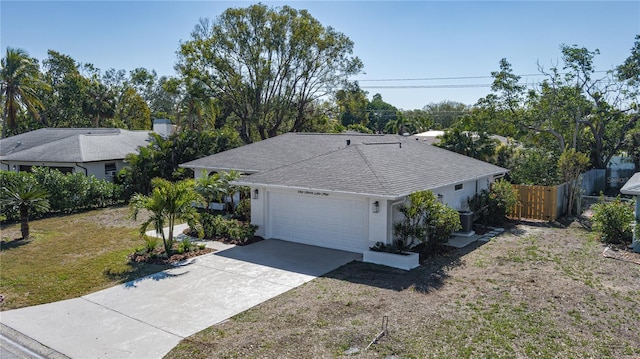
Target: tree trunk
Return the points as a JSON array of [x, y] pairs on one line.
[[24, 222]]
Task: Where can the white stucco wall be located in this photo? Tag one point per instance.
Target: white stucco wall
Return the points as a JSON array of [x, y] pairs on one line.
[[96, 169]]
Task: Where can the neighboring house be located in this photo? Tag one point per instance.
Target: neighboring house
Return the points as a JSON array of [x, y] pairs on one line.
[[91, 151], [632, 188], [343, 191], [432, 137]]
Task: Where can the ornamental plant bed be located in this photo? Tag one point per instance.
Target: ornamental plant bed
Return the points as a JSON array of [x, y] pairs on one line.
[[157, 256], [226, 240]]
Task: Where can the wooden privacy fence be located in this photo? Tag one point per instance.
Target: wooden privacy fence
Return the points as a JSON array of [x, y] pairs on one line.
[[540, 202]]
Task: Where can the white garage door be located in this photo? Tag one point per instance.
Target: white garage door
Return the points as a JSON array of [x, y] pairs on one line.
[[320, 221]]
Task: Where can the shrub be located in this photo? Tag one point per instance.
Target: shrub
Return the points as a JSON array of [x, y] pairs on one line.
[[613, 220], [232, 229], [243, 210], [184, 246], [493, 206], [425, 220], [150, 243]]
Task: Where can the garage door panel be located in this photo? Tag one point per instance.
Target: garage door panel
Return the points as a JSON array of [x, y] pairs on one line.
[[322, 221]]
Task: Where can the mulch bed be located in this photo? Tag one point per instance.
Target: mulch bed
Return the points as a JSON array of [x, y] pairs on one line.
[[225, 240], [158, 256]]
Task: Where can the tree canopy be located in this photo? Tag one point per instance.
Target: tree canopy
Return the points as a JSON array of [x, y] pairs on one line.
[[267, 65]]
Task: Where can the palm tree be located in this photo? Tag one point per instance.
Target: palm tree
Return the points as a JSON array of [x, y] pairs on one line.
[[24, 196], [168, 203], [19, 83], [228, 189]]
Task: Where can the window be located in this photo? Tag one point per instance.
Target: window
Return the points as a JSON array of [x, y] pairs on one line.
[[458, 187], [110, 169]]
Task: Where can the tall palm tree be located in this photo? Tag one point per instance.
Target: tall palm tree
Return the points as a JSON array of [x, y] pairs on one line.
[[19, 83], [168, 203], [24, 196]]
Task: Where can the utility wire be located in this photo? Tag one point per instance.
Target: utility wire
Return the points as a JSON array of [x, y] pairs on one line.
[[456, 77]]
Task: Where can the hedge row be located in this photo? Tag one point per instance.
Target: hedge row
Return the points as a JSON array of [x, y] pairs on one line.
[[68, 193]]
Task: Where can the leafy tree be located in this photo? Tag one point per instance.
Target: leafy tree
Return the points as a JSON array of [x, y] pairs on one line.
[[66, 92], [359, 128], [20, 83], [445, 114], [418, 120], [168, 203], [162, 157], [534, 166], [25, 196], [381, 114], [352, 105], [133, 111], [99, 103], [480, 146], [570, 165], [267, 65]]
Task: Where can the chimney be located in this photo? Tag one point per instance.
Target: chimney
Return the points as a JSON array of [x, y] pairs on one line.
[[162, 126]]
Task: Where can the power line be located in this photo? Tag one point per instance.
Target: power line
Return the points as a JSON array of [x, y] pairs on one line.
[[456, 77]]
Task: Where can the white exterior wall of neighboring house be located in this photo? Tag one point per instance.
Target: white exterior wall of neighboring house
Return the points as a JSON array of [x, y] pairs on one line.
[[97, 169]]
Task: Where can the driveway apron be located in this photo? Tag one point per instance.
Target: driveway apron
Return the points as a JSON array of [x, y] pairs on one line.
[[147, 317]]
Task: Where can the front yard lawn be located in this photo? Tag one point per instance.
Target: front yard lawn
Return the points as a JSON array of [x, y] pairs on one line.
[[537, 292], [69, 256]]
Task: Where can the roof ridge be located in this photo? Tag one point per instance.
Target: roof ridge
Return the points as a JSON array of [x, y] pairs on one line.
[[375, 174]]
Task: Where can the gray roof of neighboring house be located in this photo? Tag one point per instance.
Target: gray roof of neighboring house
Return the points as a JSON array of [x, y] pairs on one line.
[[278, 151], [374, 164], [72, 145], [632, 187]]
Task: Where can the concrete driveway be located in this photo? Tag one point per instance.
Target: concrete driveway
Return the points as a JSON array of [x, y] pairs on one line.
[[147, 317]]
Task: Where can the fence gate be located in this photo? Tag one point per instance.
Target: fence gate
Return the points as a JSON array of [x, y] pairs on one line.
[[537, 202]]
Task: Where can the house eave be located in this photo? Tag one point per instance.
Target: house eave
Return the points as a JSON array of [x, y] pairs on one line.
[[300, 188]]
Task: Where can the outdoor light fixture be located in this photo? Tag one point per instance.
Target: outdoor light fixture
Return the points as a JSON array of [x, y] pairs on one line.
[[375, 207], [255, 193]]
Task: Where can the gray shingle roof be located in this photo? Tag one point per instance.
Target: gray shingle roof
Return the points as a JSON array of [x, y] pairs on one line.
[[632, 187], [374, 164], [72, 145], [278, 151]]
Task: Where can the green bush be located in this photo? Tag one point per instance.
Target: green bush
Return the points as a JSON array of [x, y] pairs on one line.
[[232, 229], [184, 246], [243, 210], [425, 220], [150, 243], [493, 206], [69, 192], [613, 221]]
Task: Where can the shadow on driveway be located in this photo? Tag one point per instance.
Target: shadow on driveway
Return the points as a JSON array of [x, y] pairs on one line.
[[291, 257]]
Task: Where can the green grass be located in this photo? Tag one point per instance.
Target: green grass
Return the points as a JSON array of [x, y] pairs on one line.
[[67, 257], [545, 294]]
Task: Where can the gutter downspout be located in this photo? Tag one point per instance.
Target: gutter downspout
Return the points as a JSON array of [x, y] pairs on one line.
[[86, 172]]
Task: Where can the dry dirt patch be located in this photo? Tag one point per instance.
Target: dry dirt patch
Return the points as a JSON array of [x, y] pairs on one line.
[[537, 292]]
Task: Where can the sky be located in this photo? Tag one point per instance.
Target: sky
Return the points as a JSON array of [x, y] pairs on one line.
[[414, 52]]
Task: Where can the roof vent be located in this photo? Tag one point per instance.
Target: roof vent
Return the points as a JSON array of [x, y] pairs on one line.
[[348, 142], [400, 143]]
